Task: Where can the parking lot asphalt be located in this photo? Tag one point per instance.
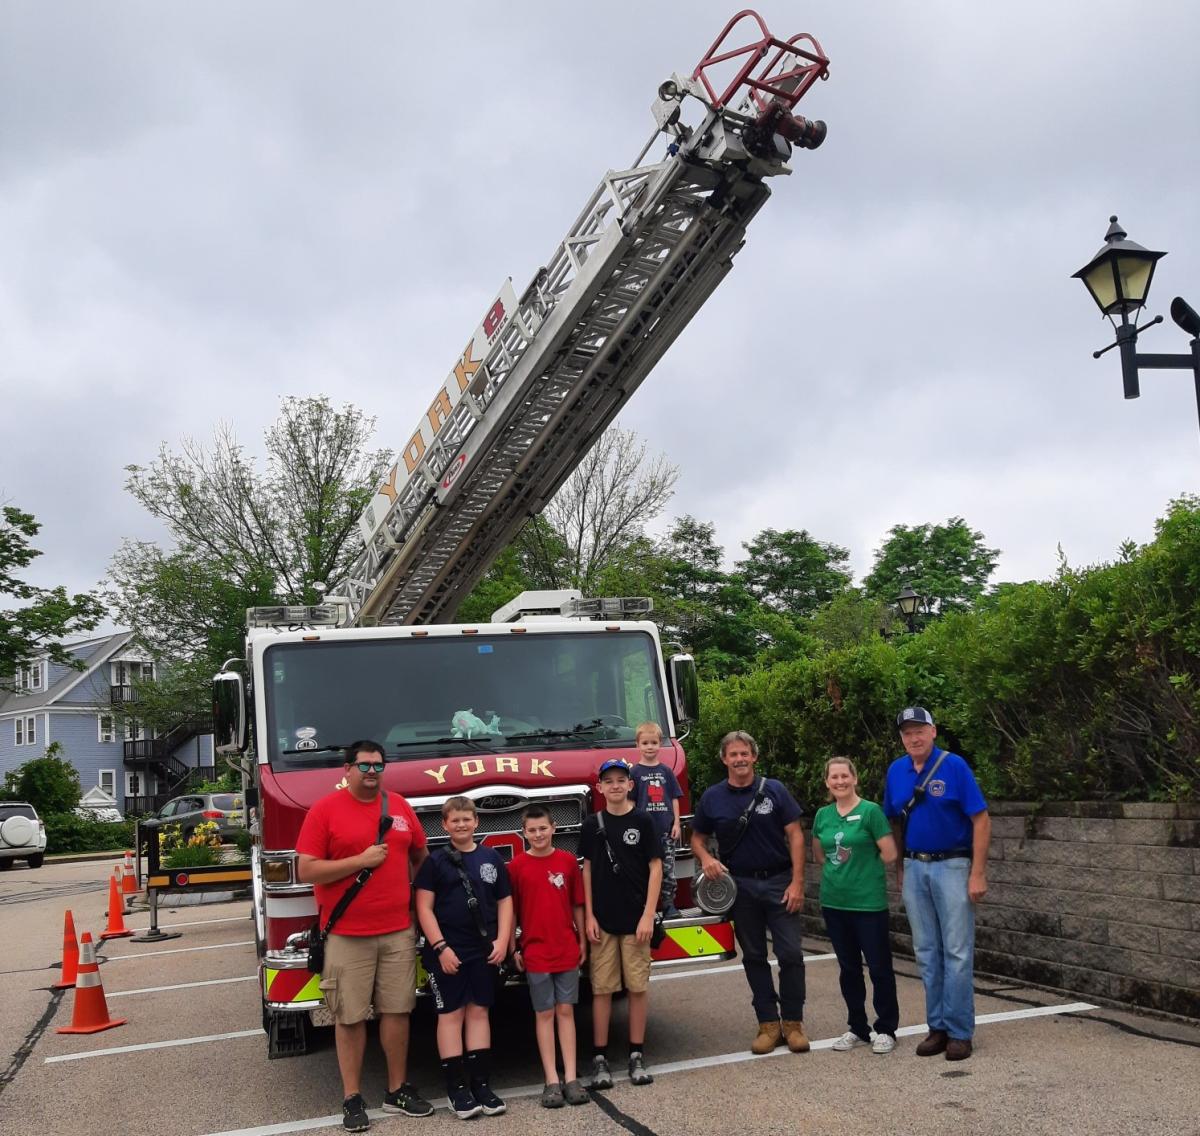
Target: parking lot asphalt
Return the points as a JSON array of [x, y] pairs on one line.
[[192, 1059]]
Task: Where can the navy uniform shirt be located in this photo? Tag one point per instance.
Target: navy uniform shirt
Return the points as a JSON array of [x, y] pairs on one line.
[[941, 822], [489, 879], [764, 847], [655, 787]]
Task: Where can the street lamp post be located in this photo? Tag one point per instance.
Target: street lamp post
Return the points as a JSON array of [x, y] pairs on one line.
[[909, 602], [1118, 279]]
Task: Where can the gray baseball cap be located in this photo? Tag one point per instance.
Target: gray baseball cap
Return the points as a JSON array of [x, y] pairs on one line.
[[915, 714]]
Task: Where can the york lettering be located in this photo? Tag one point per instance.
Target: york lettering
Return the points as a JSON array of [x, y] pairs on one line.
[[478, 766], [414, 451], [388, 488]]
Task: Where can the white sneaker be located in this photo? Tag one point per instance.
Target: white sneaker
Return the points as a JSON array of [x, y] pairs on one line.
[[848, 1040], [883, 1043]]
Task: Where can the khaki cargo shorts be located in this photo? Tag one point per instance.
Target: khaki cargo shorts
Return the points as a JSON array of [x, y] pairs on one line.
[[362, 971], [616, 957]]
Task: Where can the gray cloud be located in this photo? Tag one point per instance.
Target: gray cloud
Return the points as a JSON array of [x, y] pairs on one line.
[[205, 208]]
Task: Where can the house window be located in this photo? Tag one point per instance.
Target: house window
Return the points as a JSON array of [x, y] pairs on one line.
[[107, 780], [126, 672], [31, 678], [105, 731], [133, 785], [26, 731]]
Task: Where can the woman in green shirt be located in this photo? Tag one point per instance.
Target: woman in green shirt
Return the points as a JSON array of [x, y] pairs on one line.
[[852, 841]]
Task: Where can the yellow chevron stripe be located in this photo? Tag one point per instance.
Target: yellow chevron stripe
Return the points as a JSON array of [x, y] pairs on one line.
[[311, 991], [695, 941]]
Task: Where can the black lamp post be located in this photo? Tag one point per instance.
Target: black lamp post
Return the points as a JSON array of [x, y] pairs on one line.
[[909, 602], [1118, 278]]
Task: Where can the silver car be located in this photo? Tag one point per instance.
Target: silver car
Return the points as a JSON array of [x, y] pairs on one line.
[[225, 810]]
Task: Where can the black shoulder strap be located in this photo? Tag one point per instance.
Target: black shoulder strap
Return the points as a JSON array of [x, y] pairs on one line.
[[743, 822], [612, 860], [360, 880], [455, 858]]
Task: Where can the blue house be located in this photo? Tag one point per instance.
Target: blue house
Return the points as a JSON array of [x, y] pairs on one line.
[[92, 714]]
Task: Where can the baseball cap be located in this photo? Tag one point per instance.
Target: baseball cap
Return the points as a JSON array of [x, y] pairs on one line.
[[615, 763], [916, 714]]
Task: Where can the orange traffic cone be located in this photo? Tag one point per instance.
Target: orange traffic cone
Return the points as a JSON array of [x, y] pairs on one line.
[[70, 959], [116, 915], [90, 1012], [129, 881]]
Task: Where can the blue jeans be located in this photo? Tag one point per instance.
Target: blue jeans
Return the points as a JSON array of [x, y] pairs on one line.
[[856, 935], [759, 906], [942, 918]]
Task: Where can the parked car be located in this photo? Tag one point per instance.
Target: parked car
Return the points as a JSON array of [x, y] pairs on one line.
[[22, 835], [226, 810]]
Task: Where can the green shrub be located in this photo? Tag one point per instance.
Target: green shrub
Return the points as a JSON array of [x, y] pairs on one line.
[[190, 856], [48, 783], [68, 832]]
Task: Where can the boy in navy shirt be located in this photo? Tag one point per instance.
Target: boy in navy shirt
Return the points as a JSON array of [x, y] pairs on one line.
[[467, 932], [657, 793]]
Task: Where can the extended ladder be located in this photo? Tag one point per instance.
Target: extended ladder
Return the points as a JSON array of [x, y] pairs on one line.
[[647, 250]]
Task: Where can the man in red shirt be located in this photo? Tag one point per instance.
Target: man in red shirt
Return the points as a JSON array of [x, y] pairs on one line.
[[371, 954], [548, 901]]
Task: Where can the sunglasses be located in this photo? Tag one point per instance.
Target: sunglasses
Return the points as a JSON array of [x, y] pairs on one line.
[[369, 766]]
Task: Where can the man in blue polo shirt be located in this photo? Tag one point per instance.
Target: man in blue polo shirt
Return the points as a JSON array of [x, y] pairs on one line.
[[759, 843], [942, 825]]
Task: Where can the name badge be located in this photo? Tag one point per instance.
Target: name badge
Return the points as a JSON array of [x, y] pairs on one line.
[[854, 816]]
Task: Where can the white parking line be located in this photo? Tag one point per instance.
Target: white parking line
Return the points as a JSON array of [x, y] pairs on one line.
[[312, 1123], [151, 1045], [179, 951], [180, 986], [696, 972], [201, 922]]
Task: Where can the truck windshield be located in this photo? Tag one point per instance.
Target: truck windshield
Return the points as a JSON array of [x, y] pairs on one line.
[[438, 694]]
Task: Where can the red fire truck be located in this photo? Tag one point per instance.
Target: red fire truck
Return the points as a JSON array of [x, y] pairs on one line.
[[525, 707]]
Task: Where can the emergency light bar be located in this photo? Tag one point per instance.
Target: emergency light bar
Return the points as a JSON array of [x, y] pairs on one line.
[[607, 607], [293, 615]]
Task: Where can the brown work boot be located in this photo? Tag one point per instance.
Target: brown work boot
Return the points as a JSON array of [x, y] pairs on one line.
[[958, 1049], [770, 1034], [934, 1042], [793, 1034]]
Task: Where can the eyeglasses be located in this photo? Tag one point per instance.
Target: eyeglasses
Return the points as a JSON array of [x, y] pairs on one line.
[[369, 766]]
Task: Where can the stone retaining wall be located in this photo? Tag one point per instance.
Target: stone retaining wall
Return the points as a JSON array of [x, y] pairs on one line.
[[1099, 899]]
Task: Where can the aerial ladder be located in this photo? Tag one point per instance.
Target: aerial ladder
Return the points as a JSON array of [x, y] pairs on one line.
[[549, 369]]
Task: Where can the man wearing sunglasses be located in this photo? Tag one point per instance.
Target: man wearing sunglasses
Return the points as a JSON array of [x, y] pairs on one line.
[[370, 954]]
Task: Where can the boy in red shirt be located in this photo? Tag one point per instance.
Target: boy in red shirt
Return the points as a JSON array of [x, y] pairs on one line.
[[548, 903]]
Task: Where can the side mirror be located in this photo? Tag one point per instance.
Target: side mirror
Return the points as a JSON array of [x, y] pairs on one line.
[[229, 713], [685, 688]]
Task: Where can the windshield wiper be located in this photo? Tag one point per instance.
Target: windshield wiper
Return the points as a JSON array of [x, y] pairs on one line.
[[579, 732], [474, 743], [313, 750]]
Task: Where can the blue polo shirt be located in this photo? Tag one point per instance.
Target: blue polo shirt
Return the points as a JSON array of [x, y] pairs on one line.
[[764, 847], [942, 821]]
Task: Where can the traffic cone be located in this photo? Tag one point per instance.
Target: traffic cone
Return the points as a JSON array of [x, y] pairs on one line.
[[129, 880], [116, 914], [70, 959], [90, 1012]]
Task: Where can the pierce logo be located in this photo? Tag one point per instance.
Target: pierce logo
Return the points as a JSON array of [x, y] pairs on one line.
[[499, 803]]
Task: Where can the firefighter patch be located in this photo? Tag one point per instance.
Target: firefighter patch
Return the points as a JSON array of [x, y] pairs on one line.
[[937, 788], [400, 824], [556, 878], [487, 873], [765, 807], [632, 836]]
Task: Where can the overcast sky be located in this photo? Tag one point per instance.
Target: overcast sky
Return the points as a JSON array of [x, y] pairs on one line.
[[206, 207]]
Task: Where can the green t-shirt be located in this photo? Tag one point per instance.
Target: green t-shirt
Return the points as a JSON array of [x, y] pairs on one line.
[[852, 878]]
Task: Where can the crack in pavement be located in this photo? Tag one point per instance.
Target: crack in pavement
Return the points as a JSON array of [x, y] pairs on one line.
[[617, 1116], [31, 1039]]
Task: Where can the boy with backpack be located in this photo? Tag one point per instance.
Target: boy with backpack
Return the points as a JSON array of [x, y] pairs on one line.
[[548, 908], [464, 905], [622, 876]]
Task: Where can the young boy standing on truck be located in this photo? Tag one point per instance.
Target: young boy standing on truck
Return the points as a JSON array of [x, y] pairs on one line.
[[622, 876], [464, 905], [548, 910], [657, 794]]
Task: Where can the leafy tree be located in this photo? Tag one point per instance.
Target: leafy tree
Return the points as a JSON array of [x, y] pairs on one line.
[[601, 509], [947, 564], [45, 615], [293, 523], [48, 782], [792, 572]]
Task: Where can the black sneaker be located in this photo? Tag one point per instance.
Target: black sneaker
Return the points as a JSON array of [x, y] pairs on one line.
[[407, 1100], [601, 1074], [354, 1114], [637, 1071], [463, 1103], [491, 1104]]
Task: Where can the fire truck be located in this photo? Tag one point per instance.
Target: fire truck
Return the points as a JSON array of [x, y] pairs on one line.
[[524, 708]]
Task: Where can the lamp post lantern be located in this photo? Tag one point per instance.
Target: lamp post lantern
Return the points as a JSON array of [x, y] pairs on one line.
[[1118, 279], [908, 602]]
